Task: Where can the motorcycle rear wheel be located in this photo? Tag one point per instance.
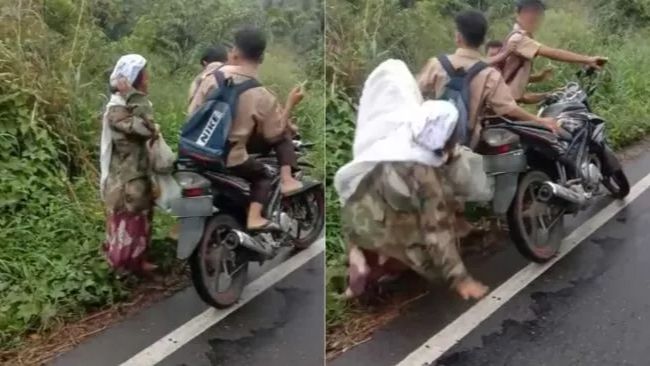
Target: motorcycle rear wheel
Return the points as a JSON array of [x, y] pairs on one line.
[[312, 204], [218, 272], [536, 227]]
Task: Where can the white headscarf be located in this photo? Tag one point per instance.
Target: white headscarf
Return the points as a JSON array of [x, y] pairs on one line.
[[392, 116], [129, 67]]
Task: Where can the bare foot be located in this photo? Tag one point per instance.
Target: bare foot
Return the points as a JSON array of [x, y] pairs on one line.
[[358, 272], [148, 267], [253, 224], [471, 289], [290, 185], [463, 227]]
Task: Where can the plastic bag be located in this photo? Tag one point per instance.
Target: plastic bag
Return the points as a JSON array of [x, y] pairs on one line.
[[161, 156], [167, 190], [468, 177]]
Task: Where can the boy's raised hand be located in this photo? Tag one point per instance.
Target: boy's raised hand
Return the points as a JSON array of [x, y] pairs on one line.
[[597, 62], [297, 94]]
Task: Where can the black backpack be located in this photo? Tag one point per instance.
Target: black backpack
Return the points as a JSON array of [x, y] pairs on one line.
[[457, 91], [204, 137]]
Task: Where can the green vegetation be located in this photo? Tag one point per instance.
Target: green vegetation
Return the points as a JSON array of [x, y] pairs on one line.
[[361, 34], [53, 60]]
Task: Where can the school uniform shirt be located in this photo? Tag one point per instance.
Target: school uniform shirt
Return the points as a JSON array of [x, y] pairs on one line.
[[197, 94], [518, 66], [488, 90]]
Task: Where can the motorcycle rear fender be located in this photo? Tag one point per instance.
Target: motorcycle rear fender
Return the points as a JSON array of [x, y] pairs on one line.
[[189, 235], [192, 212], [505, 169], [505, 187]]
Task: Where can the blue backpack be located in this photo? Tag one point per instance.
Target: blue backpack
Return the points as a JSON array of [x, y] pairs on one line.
[[457, 91], [204, 137]]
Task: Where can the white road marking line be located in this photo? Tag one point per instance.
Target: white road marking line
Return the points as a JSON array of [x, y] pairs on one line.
[[440, 343], [168, 344]]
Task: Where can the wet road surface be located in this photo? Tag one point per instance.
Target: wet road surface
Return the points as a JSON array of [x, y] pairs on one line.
[[282, 326], [591, 308]]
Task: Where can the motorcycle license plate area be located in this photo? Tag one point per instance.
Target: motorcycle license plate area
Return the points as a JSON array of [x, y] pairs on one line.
[[192, 206], [189, 235], [192, 213]]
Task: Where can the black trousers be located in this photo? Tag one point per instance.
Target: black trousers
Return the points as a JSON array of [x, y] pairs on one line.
[[254, 171]]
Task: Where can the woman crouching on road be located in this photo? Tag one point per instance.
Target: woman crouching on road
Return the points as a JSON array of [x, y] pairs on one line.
[[125, 184], [397, 206]]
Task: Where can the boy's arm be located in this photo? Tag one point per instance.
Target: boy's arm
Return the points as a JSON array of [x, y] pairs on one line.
[[427, 79], [567, 56], [533, 98], [501, 56], [502, 103], [520, 114], [273, 121], [544, 75], [136, 119]]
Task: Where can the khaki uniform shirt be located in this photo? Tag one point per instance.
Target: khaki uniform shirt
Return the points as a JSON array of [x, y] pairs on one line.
[[258, 113], [198, 94], [521, 61], [488, 90]]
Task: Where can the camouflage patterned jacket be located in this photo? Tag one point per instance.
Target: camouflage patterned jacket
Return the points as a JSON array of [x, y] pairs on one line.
[[406, 211]]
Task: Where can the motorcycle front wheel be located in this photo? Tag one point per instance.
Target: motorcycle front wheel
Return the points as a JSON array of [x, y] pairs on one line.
[[617, 184], [218, 272], [536, 227]]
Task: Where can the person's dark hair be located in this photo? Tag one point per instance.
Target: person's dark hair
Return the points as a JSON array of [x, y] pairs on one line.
[[218, 53], [530, 4], [495, 43], [138, 79], [251, 42], [472, 25]]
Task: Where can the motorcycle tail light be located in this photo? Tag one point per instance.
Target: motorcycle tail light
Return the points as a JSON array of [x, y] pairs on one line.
[[192, 184], [195, 192], [502, 149], [498, 137]]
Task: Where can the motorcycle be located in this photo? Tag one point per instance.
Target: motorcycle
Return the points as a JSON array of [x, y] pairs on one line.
[[539, 176], [212, 214]]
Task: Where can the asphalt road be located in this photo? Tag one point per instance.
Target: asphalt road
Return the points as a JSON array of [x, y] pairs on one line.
[[591, 308], [282, 326]]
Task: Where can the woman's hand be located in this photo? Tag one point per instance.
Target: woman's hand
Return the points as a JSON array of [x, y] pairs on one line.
[[156, 132], [123, 86]]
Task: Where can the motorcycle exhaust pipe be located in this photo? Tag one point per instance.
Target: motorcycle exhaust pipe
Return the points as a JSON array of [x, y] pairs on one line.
[[245, 240], [549, 190]]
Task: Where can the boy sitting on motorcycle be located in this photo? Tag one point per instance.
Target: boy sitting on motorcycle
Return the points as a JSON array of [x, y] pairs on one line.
[[517, 67]]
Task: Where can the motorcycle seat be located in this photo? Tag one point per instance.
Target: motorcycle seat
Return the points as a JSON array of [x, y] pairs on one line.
[[554, 110], [562, 133]]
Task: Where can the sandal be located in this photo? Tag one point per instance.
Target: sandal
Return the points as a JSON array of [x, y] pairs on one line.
[[270, 226], [305, 187]]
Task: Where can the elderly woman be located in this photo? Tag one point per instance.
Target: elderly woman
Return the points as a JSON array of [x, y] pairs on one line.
[[125, 185], [397, 206]]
